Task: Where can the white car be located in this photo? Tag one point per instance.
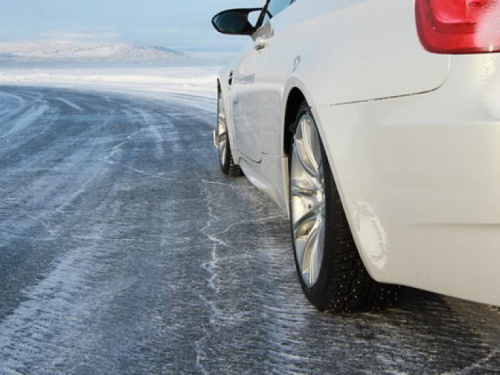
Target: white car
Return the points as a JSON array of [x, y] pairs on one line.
[[376, 125]]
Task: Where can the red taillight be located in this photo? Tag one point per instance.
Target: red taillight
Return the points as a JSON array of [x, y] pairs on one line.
[[459, 26]]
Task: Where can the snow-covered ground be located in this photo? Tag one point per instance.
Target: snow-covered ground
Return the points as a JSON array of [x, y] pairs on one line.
[[119, 67], [186, 80]]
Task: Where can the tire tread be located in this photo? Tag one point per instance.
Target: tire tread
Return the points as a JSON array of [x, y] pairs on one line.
[[351, 288]]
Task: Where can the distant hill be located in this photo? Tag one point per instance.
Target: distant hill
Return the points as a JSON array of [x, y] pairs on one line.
[[68, 53]]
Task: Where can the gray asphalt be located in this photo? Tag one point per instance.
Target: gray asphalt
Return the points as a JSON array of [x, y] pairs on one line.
[[124, 250]]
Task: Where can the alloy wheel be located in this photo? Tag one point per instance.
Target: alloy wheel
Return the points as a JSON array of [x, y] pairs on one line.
[[221, 138], [307, 191]]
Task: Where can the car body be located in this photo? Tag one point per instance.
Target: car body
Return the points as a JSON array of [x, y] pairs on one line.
[[410, 130]]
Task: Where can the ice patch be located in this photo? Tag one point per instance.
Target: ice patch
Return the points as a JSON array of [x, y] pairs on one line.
[[70, 104], [27, 119]]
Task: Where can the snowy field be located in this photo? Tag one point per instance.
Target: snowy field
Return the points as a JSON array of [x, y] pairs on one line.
[[150, 71], [152, 81]]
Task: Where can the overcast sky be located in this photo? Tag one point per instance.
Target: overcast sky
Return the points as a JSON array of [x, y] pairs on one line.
[[183, 24]]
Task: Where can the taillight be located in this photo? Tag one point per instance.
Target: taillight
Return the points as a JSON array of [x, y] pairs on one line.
[[459, 26]]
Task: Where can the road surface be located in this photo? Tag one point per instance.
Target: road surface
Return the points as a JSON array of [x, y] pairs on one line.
[[124, 250]]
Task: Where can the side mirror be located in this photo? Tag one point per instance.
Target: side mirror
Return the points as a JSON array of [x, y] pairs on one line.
[[235, 21]]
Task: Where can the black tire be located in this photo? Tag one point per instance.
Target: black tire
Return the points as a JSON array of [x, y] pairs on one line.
[[342, 283], [228, 166]]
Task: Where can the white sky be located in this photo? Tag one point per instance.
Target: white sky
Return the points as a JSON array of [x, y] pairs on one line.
[[182, 24]]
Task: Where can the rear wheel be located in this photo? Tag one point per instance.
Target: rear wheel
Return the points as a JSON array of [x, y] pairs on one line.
[[222, 141], [330, 269]]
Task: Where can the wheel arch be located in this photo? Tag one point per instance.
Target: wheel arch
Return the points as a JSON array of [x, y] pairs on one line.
[[224, 90], [294, 100]]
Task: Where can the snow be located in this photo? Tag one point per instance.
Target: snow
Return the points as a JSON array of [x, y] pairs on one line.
[[199, 81], [64, 50], [113, 67]]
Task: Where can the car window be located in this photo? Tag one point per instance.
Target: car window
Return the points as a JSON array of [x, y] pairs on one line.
[[276, 6]]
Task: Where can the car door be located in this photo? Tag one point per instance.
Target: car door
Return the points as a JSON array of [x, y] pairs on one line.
[[272, 75], [246, 103], [248, 83]]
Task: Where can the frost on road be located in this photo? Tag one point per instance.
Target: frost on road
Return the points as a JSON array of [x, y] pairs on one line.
[[124, 250]]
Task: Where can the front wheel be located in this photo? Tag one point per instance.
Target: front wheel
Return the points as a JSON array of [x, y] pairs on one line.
[[221, 137], [330, 269]]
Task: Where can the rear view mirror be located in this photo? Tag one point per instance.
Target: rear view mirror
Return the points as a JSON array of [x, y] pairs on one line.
[[235, 21]]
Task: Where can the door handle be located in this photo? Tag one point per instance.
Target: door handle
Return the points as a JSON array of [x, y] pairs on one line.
[[260, 43]]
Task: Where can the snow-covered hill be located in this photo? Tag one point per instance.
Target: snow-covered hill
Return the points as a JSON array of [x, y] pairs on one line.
[[64, 52]]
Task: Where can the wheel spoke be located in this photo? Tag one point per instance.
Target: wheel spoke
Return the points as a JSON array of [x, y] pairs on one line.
[[222, 147], [317, 254], [303, 160], [312, 256], [221, 131], [307, 147], [313, 144], [222, 137], [306, 209], [304, 222], [300, 188]]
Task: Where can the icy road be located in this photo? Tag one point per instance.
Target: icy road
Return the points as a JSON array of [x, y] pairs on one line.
[[124, 250]]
